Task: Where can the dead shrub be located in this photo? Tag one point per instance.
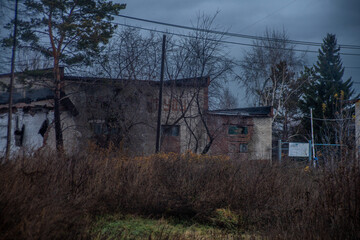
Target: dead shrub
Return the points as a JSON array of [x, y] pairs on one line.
[[50, 197]]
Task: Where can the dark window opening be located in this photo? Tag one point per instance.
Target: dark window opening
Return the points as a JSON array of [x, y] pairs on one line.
[[19, 136], [98, 127], [243, 148], [170, 130], [236, 130], [105, 132], [102, 127], [43, 128]]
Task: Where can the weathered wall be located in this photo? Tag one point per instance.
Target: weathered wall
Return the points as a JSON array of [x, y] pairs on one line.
[[229, 144], [129, 109], [181, 107], [32, 140], [72, 137], [132, 106], [252, 143], [261, 139]]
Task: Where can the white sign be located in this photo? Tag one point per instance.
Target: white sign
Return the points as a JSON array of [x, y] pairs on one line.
[[298, 149]]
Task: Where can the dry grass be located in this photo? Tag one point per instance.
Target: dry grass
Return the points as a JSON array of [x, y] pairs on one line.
[[47, 197]]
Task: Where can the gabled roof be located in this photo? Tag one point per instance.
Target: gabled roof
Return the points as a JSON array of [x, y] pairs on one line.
[[245, 112]]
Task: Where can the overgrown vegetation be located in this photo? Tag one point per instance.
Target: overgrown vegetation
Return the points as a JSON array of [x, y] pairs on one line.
[[135, 227], [44, 197]]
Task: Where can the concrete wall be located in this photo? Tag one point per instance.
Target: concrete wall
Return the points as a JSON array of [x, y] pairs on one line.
[[261, 139], [72, 136], [134, 106], [192, 133], [32, 140]]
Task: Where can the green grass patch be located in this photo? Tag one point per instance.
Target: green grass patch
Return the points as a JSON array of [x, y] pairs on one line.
[[135, 227]]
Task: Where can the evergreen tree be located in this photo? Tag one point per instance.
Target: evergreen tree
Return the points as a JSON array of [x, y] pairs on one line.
[[67, 32], [327, 94]]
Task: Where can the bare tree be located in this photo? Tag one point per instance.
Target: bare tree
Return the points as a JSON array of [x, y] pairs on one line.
[[31, 60], [269, 76], [130, 55], [120, 100], [258, 76], [200, 55], [192, 63], [228, 100]]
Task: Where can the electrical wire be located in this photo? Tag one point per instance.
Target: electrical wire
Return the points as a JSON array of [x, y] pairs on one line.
[[225, 41], [330, 120], [231, 34]]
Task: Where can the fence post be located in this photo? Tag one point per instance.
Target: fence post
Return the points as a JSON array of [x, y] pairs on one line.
[[279, 151]]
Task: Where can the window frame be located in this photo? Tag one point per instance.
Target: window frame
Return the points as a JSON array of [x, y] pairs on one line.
[[174, 130], [232, 130], [243, 148]]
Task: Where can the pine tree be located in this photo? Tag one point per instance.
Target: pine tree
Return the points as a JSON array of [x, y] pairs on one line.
[[327, 94], [67, 32]]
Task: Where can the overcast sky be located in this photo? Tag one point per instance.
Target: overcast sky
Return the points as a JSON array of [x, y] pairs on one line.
[[307, 20]]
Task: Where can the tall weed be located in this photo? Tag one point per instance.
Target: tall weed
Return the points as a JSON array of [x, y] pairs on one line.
[[51, 197]]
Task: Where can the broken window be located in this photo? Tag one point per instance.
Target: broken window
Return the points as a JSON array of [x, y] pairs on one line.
[[170, 130], [236, 130], [43, 128], [19, 136]]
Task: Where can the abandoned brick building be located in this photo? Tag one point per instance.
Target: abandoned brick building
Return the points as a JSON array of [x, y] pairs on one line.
[[242, 133], [123, 112]]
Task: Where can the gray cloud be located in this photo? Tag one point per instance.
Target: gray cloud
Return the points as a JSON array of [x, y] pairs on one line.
[[306, 20]]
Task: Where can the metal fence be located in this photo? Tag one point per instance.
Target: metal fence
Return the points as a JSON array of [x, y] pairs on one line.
[[324, 153]]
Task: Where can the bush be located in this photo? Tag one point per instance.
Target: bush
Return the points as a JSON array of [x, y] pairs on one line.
[[50, 197]]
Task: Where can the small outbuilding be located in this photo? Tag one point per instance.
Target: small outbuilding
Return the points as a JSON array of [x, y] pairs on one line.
[[242, 133]]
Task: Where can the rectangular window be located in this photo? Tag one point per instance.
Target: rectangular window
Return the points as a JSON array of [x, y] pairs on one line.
[[98, 126], [236, 130], [243, 148], [19, 136], [170, 130]]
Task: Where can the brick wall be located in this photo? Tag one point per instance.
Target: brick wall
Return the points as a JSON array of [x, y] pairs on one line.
[[243, 138]]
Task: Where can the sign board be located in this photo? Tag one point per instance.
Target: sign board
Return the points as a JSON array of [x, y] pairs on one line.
[[298, 149]]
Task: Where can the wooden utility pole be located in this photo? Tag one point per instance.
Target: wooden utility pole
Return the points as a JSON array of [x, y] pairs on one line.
[[8, 138], [158, 129]]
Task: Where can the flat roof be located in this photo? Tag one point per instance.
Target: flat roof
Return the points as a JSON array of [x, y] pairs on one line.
[[250, 112]]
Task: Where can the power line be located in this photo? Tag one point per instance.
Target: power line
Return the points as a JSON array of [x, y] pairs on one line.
[[268, 15], [217, 40], [230, 34], [225, 41], [189, 36], [329, 119]]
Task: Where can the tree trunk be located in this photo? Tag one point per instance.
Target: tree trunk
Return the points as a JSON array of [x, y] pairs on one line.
[[57, 119], [8, 137], [207, 147]]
